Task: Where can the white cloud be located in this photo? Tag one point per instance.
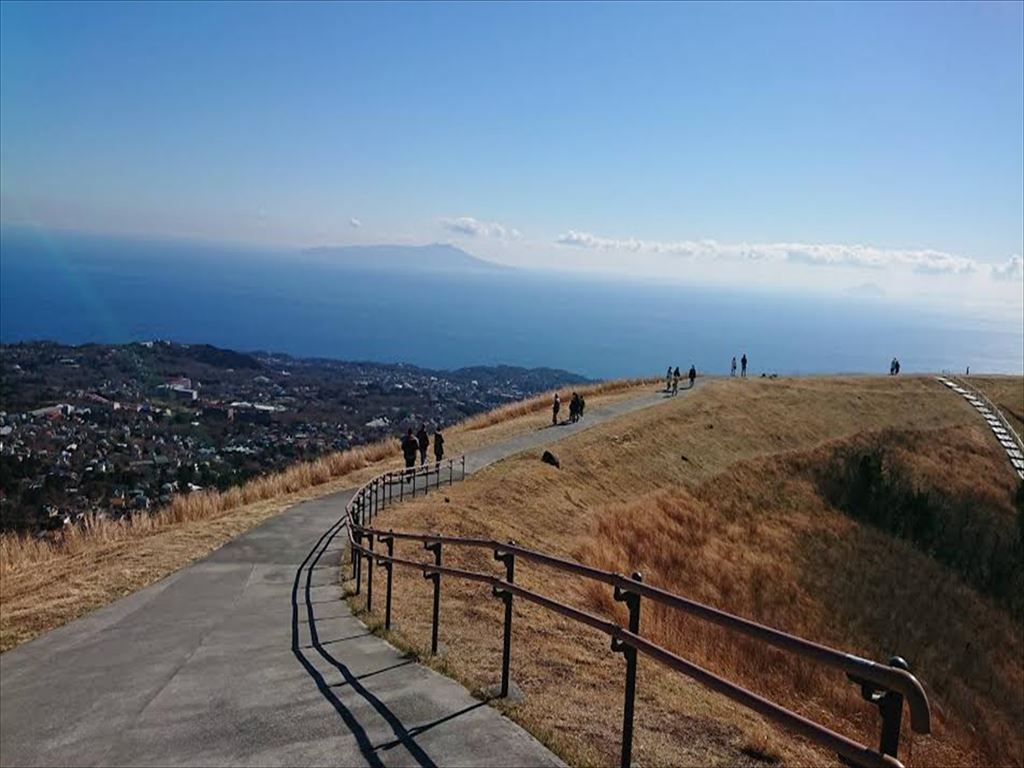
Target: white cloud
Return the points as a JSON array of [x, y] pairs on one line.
[[355, 223], [467, 225], [922, 261], [1013, 269]]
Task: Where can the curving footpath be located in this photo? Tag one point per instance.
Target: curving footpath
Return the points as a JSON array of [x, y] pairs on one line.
[[251, 657]]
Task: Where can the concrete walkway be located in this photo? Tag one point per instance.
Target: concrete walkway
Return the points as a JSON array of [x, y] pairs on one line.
[[251, 657]]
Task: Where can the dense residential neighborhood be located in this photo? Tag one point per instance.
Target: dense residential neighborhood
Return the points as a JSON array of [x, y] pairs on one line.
[[119, 429]]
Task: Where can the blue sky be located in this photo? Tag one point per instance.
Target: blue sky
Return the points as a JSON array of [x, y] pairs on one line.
[[875, 147]]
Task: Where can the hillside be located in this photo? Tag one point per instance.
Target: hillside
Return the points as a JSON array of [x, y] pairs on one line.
[[111, 429], [876, 515], [47, 582]]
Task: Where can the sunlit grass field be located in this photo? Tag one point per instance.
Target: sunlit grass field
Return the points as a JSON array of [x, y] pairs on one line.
[[724, 496]]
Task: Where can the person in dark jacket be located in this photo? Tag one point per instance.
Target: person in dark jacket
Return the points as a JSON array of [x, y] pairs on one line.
[[409, 447], [692, 375], [423, 441], [583, 404], [743, 366], [574, 408], [556, 406], [438, 445]]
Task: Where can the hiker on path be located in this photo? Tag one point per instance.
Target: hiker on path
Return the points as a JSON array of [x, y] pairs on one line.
[[423, 441], [409, 448], [692, 375], [743, 366], [583, 404], [668, 379], [438, 445], [574, 408], [732, 372], [675, 381], [556, 406]]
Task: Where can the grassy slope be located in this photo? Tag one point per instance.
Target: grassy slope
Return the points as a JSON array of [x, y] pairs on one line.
[[45, 585], [741, 524]]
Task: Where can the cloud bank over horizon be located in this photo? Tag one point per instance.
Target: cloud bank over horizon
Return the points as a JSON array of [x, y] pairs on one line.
[[923, 261]]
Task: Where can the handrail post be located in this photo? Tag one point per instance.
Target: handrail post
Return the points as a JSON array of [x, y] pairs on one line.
[[509, 559], [353, 553], [463, 467], [401, 488], [451, 466], [391, 487], [369, 575], [389, 542], [890, 706], [435, 547], [632, 601], [359, 561]]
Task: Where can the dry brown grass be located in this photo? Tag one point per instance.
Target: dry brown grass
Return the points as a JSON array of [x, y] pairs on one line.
[[45, 583], [542, 402], [738, 523]]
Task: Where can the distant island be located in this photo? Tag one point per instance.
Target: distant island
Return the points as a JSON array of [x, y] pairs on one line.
[[437, 258], [117, 429]]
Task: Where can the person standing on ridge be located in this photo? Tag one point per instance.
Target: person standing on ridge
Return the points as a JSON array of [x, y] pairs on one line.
[[438, 445], [409, 447], [675, 381], [556, 406], [668, 379], [583, 404], [574, 408], [732, 371], [692, 375], [743, 366], [423, 442]]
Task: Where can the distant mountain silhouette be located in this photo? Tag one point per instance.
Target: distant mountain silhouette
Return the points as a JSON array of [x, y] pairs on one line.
[[438, 257]]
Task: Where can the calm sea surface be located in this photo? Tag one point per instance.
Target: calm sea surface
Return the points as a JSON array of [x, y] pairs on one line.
[[77, 289]]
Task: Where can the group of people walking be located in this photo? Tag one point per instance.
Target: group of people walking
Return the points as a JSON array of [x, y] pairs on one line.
[[576, 405], [420, 443], [672, 378], [894, 367], [743, 366]]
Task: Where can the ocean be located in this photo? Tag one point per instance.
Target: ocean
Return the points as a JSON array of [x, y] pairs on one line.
[[75, 288]]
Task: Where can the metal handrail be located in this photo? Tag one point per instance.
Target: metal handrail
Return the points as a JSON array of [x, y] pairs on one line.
[[884, 685]]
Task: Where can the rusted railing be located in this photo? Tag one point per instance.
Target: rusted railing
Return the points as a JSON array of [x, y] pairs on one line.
[[885, 685]]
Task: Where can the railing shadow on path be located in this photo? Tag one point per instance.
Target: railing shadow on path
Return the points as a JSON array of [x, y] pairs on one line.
[[403, 736]]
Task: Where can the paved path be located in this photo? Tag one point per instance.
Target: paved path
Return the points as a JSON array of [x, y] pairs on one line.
[[250, 657]]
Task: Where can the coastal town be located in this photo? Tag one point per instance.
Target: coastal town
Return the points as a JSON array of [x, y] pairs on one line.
[[117, 430]]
